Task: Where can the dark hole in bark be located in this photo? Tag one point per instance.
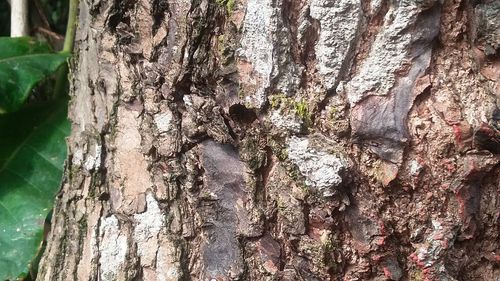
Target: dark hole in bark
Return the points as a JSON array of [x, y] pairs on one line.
[[114, 20], [422, 97], [161, 80], [495, 116], [119, 14], [239, 113], [159, 9], [181, 88], [487, 137], [228, 125], [104, 196]]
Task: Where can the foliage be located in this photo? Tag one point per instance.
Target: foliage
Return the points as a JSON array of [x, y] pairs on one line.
[[51, 12], [32, 149], [32, 153], [4, 18], [56, 12], [32, 138], [23, 64]]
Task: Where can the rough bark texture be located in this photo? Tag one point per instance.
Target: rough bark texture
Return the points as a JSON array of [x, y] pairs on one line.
[[281, 140]]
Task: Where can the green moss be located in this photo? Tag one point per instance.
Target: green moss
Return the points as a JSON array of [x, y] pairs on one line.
[[283, 154], [207, 195], [276, 143], [96, 180], [277, 100], [293, 173], [220, 38], [302, 109], [273, 101], [229, 4], [251, 153], [328, 245], [333, 113], [73, 171], [83, 225], [304, 189]]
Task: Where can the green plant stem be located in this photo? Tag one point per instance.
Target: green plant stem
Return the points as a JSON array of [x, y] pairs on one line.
[[69, 41]]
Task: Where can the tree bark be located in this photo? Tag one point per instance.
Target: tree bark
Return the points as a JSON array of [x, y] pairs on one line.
[[281, 140]]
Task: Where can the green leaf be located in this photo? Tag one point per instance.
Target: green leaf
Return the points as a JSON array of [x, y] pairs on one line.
[[19, 46], [23, 63], [32, 154]]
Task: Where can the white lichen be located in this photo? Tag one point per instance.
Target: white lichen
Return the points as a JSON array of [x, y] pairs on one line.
[[148, 226], [439, 240], [285, 122], [93, 161], [415, 168], [339, 23], [377, 74], [375, 6], [77, 157], [320, 169], [257, 43], [188, 101], [163, 121], [112, 247]]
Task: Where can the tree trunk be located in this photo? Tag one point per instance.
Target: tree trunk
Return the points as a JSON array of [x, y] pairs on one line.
[[281, 140]]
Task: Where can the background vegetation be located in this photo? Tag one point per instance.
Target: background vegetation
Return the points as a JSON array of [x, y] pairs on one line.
[[33, 127]]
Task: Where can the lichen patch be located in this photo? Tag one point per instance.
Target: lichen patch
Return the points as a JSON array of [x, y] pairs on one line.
[[321, 169], [148, 226], [339, 30], [113, 249]]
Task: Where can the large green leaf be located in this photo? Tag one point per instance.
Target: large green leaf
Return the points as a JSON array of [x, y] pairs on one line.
[[32, 154], [23, 63], [20, 46]]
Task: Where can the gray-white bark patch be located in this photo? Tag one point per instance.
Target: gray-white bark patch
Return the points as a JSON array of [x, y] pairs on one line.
[[381, 100], [429, 255], [340, 21], [285, 121], [93, 161], [321, 169], [257, 42], [113, 249], [168, 262], [147, 229], [163, 121], [266, 45], [388, 53], [488, 25]]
